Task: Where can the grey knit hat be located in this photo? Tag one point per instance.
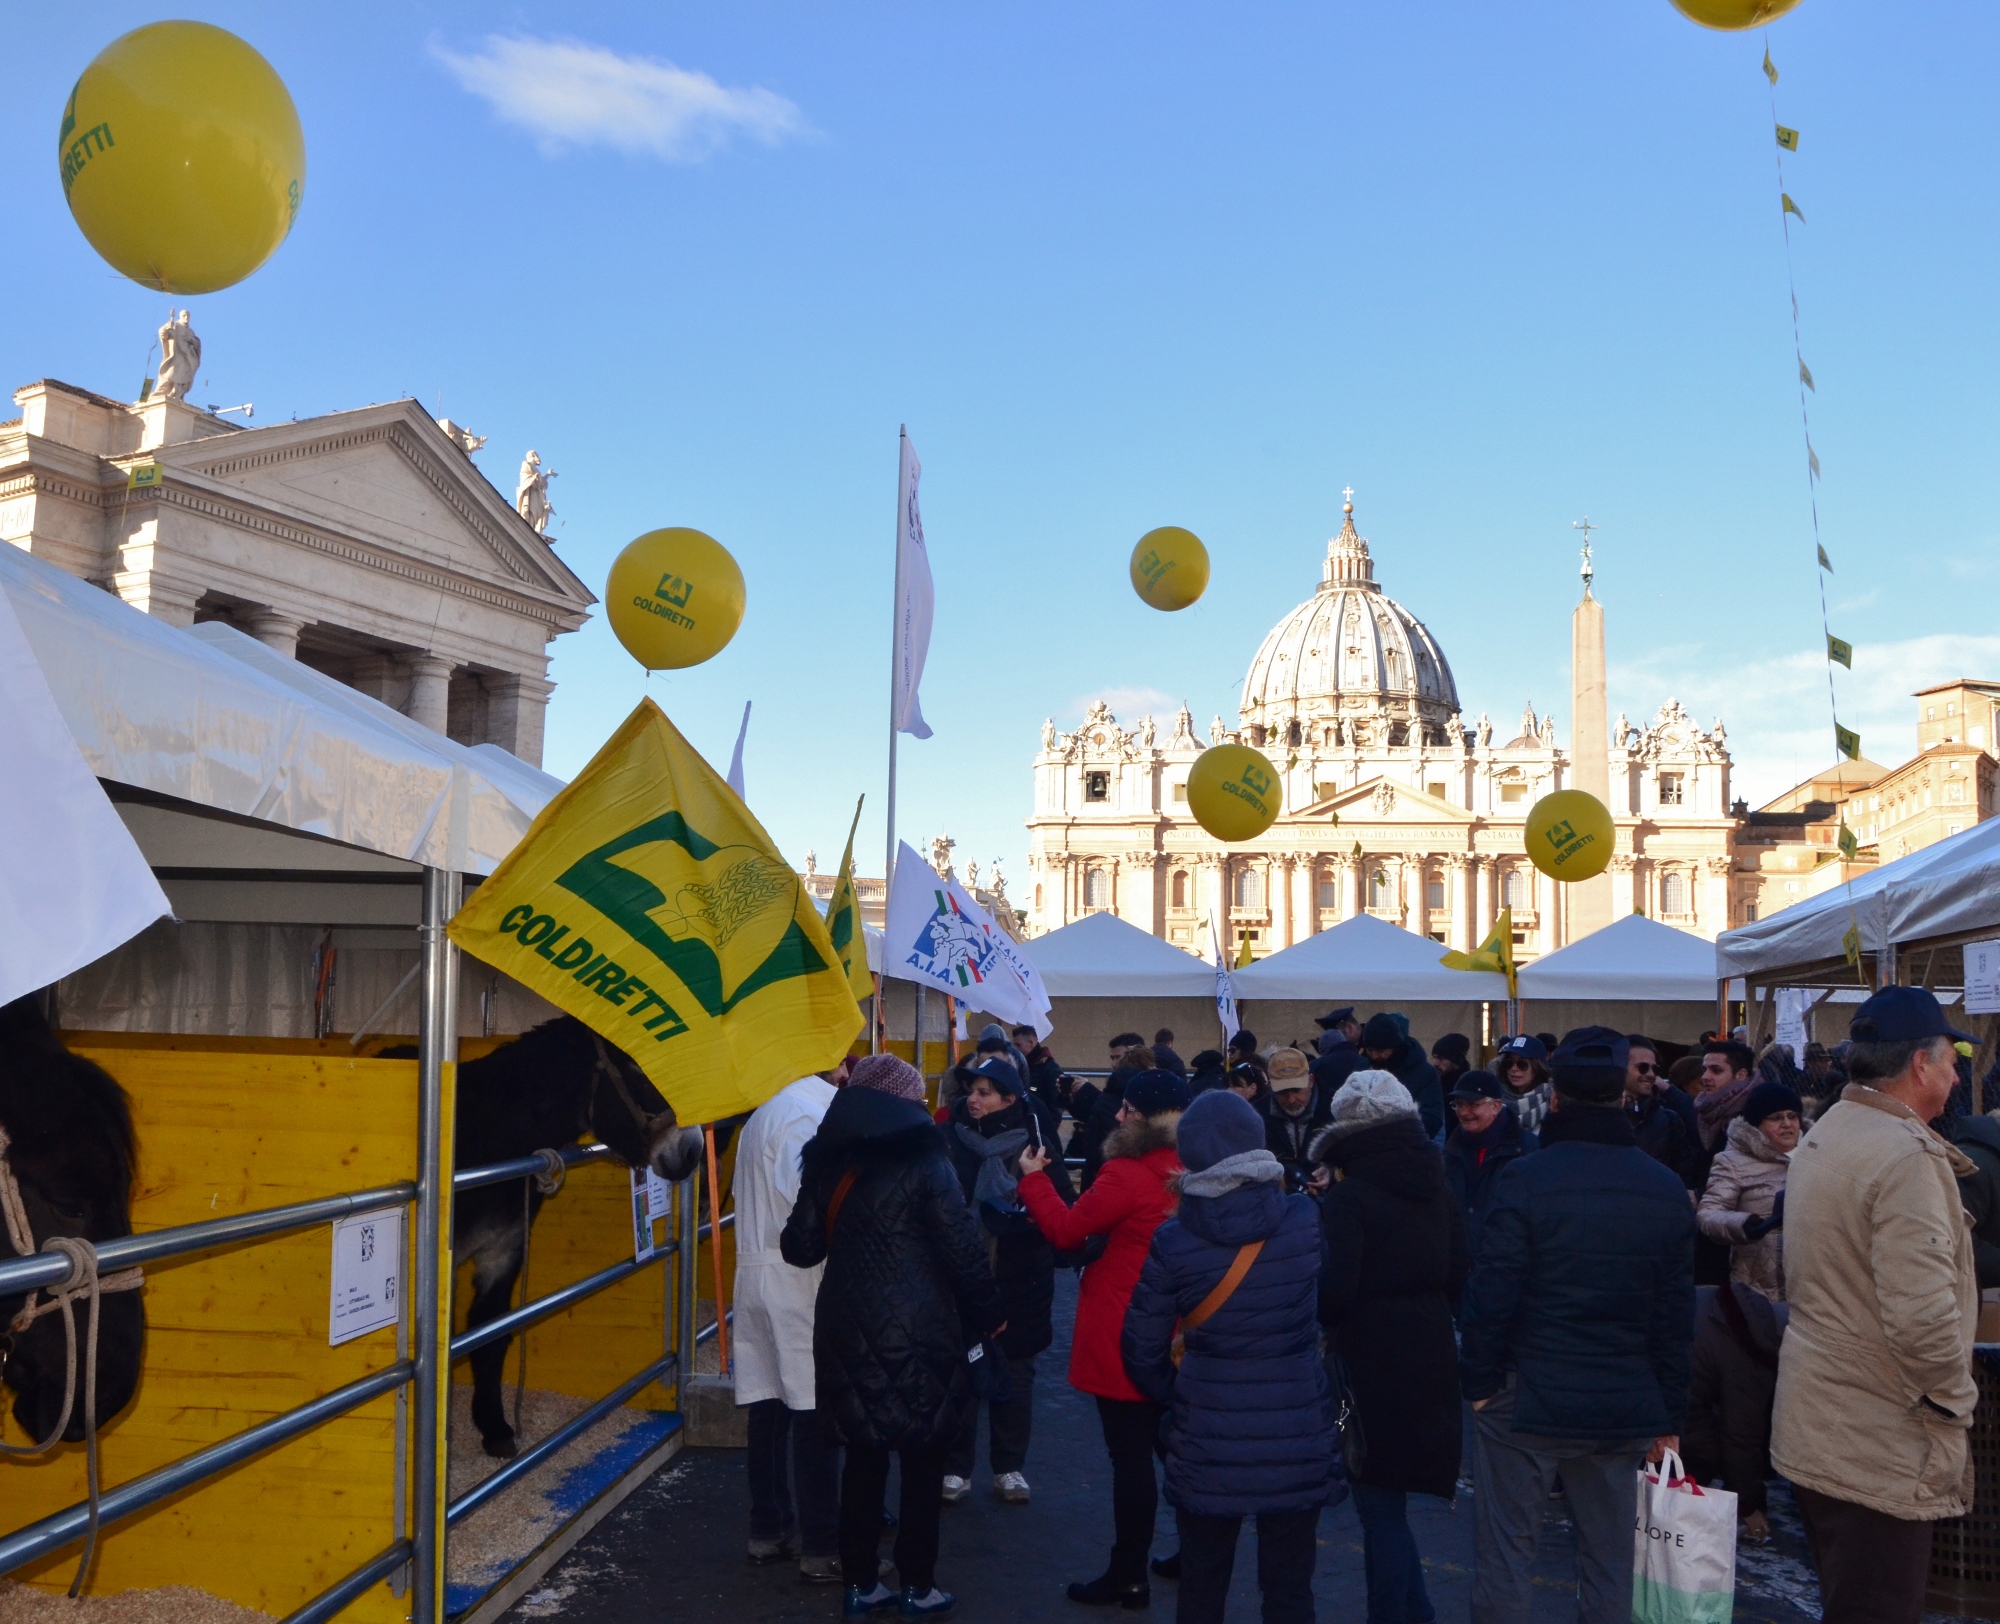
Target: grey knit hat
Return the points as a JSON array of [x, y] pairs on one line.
[[1366, 1100]]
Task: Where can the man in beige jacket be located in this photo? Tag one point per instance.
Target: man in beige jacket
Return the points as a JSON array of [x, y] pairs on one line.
[[1875, 1385]]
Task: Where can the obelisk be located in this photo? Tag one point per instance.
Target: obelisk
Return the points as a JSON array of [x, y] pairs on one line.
[[1587, 904]]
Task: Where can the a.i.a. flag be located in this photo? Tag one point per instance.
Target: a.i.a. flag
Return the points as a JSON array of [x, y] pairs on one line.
[[646, 901]]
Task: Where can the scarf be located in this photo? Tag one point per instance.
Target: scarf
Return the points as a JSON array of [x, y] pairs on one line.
[[1532, 1108], [997, 1180], [1719, 1107], [1233, 1172]]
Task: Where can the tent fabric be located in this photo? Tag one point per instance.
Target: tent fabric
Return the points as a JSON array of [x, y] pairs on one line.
[[1103, 956], [1950, 887], [1633, 958], [1364, 959], [212, 717]]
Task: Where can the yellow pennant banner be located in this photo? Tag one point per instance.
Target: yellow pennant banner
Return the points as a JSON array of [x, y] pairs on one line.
[[1840, 652], [1788, 139], [646, 901], [1792, 208], [1847, 742], [1496, 953], [843, 921]]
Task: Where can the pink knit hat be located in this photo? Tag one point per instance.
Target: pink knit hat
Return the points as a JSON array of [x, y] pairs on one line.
[[887, 1074]]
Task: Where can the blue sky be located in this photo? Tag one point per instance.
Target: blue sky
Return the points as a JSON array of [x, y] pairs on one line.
[[1121, 265]]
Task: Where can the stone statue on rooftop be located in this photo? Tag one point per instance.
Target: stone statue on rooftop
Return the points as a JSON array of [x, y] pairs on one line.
[[531, 494], [180, 358]]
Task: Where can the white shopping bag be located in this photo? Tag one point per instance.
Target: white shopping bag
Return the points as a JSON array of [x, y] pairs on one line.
[[1683, 1549]]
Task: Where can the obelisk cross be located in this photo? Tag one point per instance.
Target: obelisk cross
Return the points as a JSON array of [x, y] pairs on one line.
[[1586, 527]]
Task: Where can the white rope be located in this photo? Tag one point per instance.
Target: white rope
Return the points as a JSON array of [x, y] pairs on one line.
[[82, 1281]]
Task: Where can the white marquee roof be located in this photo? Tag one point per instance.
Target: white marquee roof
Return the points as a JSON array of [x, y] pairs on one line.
[[1101, 956], [212, 717], [1366, 959], [1635, 958]]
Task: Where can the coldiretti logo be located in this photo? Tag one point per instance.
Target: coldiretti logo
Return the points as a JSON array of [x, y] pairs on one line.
[[668, 599], [1561, 834], [675, 589], [1257, 779], [77, 153], [610, 981]]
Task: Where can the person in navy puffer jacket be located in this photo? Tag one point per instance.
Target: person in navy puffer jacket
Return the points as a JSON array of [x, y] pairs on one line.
[[1252, 1429]]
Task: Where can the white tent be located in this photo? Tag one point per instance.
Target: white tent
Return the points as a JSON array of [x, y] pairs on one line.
[[1101, 956], [1946, 889], [1635, 958], [1365, 959]]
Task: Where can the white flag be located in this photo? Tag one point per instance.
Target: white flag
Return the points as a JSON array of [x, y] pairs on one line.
[[73, 884], [1225, 985], [735, 778], [915, 601], [1009, 949], [938, 937]]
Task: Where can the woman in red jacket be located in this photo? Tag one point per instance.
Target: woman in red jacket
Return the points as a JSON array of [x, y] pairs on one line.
[[1128, 1201]]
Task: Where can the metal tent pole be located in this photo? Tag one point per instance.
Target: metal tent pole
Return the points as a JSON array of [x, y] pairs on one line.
[[687, 1262], [437, 1058]]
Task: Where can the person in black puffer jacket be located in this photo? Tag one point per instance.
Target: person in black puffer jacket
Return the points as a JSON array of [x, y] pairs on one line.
[[1979, 1138], [1386, 1047], [1096, 1119], [907, 1292], [1251, 1429], [1576, 1339], [1487, 1137], [1395, 1263], [1206, 1072], [993, 1121]]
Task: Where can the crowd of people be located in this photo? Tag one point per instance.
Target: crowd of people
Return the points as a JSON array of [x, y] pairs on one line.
[[1358, 1268]]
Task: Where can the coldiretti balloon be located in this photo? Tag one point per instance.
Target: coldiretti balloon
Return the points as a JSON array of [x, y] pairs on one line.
[[182, 157], [1570, 835], [675, 598], [1170, 567], [1233, 791], [1733, 15]]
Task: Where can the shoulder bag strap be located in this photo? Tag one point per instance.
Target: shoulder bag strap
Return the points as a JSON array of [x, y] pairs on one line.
[[1225, 1288], [833, 1206]]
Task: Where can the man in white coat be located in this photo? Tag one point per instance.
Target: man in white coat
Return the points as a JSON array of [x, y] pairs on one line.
[[794, 1474]]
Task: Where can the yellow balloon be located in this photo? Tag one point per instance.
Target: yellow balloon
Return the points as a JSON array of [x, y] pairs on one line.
[[1170, 567], [182, 157], [1570, 835], [1233, 791], [675, 598], [1733, 15]]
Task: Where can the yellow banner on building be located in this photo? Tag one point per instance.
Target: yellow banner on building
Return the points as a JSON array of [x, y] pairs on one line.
[[646, 901]]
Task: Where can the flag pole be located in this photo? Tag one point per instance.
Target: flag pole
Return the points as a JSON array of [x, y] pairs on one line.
[[880, 1023]]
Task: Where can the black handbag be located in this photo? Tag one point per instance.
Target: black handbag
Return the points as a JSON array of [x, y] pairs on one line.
[[1347, 1420]]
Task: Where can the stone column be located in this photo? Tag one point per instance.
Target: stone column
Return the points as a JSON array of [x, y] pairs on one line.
[[430, 691], [1281, 909], [1460, 893], [275, 630], [517, 707], [1483, 911], [1420, 896], [1589, 901], [1623, 874], [1548, 895], [1356, 898], [1713, 904]]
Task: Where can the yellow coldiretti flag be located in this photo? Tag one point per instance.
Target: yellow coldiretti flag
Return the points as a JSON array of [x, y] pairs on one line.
[[1244, 958], [843, 920], [1496, 953], [648, 902]]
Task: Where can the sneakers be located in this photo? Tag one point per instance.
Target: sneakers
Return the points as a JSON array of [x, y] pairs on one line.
[[938, 1604], [955, 1490], [820, 1570], [860, 1603], [1011, 1487], [763, 1551], [1106, 1591]]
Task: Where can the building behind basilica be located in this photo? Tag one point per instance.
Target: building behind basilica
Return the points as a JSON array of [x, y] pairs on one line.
[[1394, 804]]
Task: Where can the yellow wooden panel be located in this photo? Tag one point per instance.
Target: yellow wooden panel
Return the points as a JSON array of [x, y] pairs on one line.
[[237, 1336]]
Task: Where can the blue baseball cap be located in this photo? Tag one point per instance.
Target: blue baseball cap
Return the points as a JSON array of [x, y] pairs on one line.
[[1903, 1015], [1526, 1047]]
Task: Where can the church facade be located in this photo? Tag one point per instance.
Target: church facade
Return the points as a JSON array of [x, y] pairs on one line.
[[1394, 804]]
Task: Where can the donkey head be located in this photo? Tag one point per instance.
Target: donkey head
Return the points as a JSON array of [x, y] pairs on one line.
[[631, 1116]]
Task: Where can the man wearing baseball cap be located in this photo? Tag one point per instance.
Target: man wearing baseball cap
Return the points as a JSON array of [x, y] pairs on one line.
[[1875, 1385]]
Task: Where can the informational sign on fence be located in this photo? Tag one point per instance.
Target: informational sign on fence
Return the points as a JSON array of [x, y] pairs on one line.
[[1982, 978], [1792, 1002], [367, 1274], [649, 1203]]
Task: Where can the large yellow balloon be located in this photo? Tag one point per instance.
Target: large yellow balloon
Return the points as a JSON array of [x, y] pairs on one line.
[[1733, 15], [1233, 791], [182, 157], [1570, 835], [1170, 567], [675, 598]]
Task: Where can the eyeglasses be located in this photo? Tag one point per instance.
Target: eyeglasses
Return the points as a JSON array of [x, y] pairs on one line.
[[1644, 1066]]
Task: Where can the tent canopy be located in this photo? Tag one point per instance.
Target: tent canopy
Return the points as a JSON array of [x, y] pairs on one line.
[[1101, 956], [1635, 958], [212, 718], [1366, 959], [1946, 889]]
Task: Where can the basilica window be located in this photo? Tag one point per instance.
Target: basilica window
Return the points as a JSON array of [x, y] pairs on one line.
[[1038, 899], [1434, 893], [1257, 734], [1673, 893], [1096, 889], [1513, 889], [1180, 794], [1294, 736], [1514, 792], [1249, 888], [1379, 894], [1180, 889], [1399, 734], [1673, 789], [1436, 791], [1327, 896], [1097, 786]]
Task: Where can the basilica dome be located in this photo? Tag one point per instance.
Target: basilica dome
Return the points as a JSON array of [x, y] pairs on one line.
[[1348, 664]]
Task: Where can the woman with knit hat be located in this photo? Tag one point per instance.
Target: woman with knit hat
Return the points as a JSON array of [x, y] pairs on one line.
[[907, 1292], [1743, 1207], [1236, 1273], [1127, 1202]]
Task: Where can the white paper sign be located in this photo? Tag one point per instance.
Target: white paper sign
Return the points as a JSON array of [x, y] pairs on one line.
[[367, 1274], [1982, 978], [656, 1195], [1792, 1022], [642, 1217]]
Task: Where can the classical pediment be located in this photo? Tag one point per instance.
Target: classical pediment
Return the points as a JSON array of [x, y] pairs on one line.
[[1381, 801], [388, 478]]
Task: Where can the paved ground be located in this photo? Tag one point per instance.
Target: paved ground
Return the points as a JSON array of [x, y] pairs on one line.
[[675, 1549]]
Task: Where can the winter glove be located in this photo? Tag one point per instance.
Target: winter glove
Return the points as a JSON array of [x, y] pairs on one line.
[[1757, 1228]]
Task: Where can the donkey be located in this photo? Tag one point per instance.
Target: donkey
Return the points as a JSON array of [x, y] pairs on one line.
[[70, 1151], [543, 1091]]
